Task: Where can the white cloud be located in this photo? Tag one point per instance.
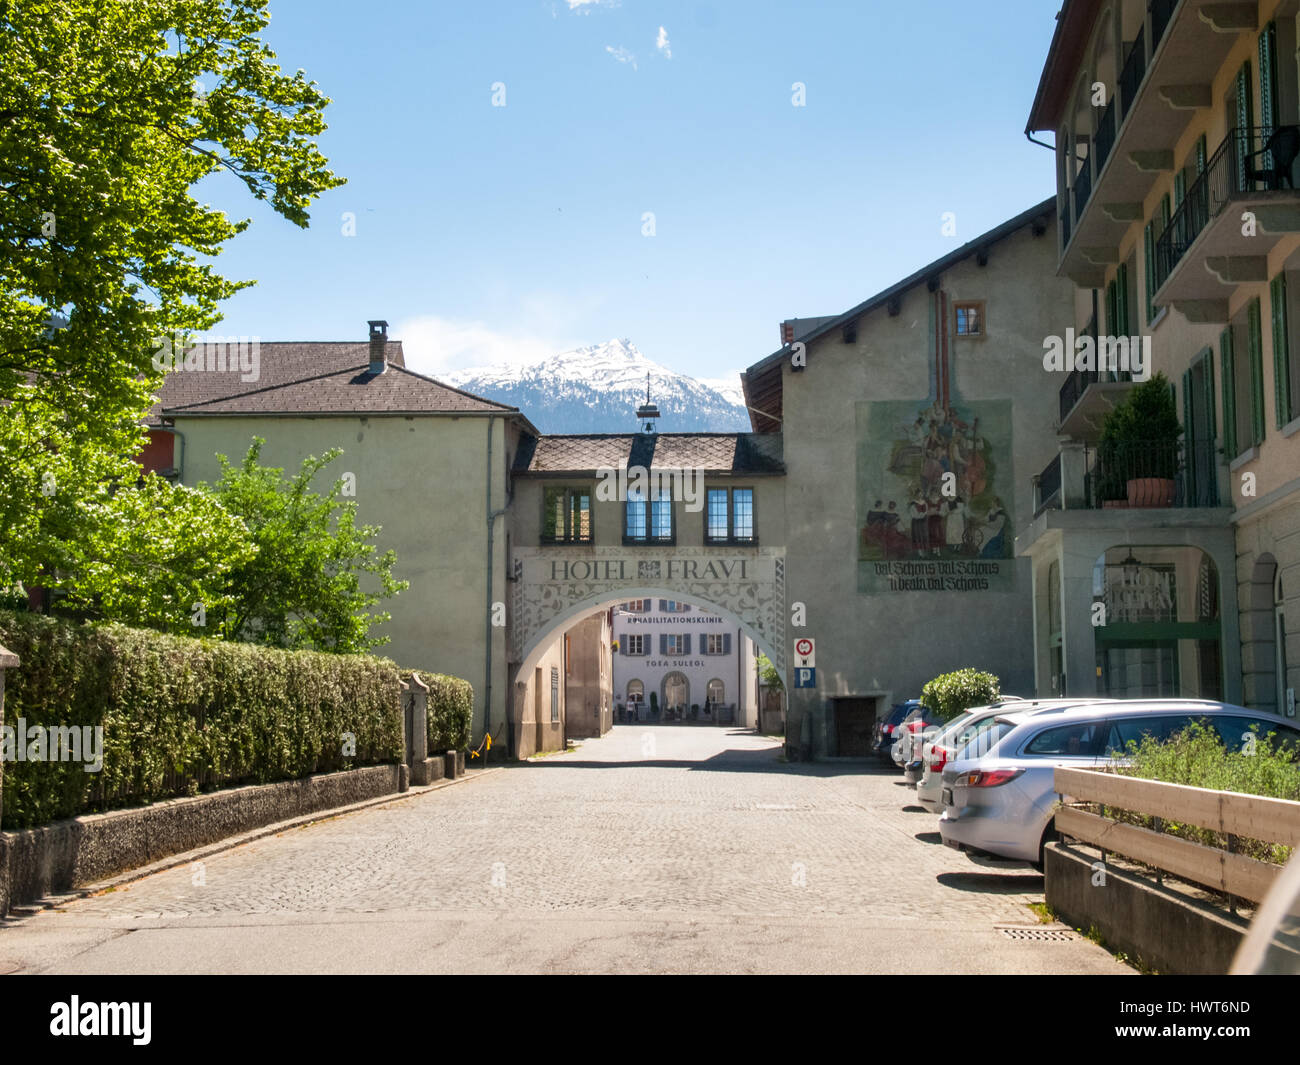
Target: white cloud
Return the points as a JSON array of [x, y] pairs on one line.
[[661, 42], [434, 345], [621, 54], [584, 7]]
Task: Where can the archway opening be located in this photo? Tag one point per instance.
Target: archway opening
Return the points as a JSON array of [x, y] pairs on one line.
[[644, 655]]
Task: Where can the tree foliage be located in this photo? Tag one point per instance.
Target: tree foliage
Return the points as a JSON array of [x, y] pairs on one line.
[[111, 111], [303, 587]]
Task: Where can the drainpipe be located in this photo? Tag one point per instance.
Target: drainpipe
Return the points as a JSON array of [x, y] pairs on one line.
[[1044, 144], [492, 516]]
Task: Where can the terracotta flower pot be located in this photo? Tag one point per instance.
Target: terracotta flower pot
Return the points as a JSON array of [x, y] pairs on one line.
[[1114, 503], [1151, 492]]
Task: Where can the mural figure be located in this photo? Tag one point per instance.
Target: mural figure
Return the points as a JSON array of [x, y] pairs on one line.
[[931, 479]]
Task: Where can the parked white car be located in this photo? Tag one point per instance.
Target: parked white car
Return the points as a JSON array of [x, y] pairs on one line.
[[998, 795], [937, 752]]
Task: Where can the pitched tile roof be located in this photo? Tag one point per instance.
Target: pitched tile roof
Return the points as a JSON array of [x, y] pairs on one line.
[[307, 377], [751, 453]]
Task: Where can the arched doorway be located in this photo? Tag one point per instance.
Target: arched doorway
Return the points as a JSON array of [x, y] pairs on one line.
[[676, 693], [535, 639]]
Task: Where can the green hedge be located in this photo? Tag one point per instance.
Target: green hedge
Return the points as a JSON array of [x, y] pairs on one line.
[[1197, 757], [182, 715], [451, 712], [951, 693]]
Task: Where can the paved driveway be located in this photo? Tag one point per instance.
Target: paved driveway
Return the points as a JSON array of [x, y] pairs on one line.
[[655, 849]]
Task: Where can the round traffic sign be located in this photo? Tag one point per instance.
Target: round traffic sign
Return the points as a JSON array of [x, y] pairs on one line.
[[803, 647]]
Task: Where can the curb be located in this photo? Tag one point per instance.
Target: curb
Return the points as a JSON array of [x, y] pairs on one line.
[[187, 857]]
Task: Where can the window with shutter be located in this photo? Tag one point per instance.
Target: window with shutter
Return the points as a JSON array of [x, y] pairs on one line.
[[686, 644], [1256, 375], [1229, 372], [1281, 352], [1121, 297], [1180, 187], [1267, 88], [1245, 120], [726, 644], [1200, 155]]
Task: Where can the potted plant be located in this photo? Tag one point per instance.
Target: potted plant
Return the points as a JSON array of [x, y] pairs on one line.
[[1137, 456], [654, 706]]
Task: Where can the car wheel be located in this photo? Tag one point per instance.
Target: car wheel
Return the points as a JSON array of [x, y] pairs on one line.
[[1050, 835]]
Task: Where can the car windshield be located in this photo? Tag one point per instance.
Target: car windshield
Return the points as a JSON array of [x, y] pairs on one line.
[[984, 735]]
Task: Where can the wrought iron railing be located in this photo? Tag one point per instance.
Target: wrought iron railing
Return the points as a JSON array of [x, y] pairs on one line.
[[1130, 78], [1047, 487], [1180, 474], [1082, 188], [1105, 135], [1162, 12], [1236, 167]]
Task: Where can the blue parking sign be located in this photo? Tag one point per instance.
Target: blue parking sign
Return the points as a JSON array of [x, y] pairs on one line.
[[805, 677]]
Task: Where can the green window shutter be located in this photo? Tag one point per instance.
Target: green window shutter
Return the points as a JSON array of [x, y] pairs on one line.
[[1188, 426], [1121, 302], [1149, 249], [1267, 80], [1281, 352], [1245, 120], [1229, 394], [1110, 310], [1208, 382], [1180, 187], [1256, 375], [1164, 212], [1200, 155]]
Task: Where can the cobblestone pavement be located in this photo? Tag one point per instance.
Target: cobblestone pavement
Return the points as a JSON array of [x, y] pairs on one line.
[[655, 848]]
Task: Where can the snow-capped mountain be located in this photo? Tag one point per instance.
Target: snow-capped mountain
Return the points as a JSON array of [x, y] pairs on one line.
[[597, 389]]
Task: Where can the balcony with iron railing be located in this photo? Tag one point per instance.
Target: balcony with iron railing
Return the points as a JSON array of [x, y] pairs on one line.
[[1205, 249], [1157, 94], [1147, 475], [1129, 491]]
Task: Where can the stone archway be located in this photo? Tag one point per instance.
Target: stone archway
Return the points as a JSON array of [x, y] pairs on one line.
[[555, 585]]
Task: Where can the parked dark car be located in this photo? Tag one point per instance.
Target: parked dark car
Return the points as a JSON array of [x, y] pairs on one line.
[[883, 738]]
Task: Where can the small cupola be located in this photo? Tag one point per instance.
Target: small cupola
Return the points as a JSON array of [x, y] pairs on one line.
[[647, 412]]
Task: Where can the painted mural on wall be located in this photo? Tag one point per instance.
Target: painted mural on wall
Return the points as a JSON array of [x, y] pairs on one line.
[[934, 495]]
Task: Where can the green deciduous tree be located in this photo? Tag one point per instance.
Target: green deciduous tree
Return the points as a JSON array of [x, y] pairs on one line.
[[110, 112], [303, 589], [159, 556]]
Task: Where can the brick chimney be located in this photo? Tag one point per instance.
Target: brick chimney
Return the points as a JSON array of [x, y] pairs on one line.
[[787, 332], [378, 347]]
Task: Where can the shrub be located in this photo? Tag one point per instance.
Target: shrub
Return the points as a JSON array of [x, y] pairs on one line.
[[451, 712], [182, 715], [951, 693], [1197, 757]]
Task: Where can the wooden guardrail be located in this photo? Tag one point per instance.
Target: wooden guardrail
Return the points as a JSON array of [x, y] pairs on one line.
[[1230, 813]]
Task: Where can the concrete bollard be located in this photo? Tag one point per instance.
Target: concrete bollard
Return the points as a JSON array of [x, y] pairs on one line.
[[416, 699], [449, 757]]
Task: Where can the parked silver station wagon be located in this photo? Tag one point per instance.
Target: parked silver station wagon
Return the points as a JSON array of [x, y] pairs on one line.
[[998, 794]]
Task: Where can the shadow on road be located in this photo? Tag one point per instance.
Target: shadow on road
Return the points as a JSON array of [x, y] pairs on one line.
[[994, 883]]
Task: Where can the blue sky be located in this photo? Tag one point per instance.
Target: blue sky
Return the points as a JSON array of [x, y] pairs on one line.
[[486, 233]]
